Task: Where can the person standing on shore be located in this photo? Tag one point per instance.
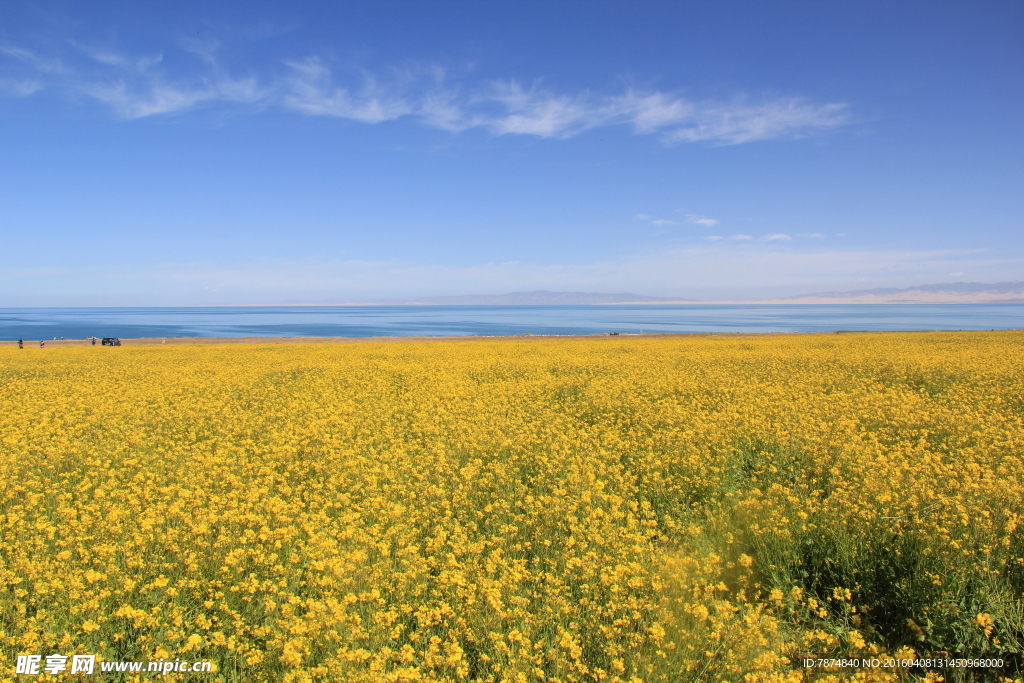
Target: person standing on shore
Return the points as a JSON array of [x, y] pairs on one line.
[[21, 343], [41, 343]]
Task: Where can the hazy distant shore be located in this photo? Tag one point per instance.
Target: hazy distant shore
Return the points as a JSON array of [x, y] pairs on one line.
[[201, 341], [195, 341], [839, 301], [946, 293], [666, 302]]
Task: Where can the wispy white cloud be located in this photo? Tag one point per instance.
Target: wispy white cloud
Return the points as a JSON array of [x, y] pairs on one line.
[[310, 90], [701, 220], [40, 65], [509, 108], [743, 119], [204, 48], [651, 112], [133, 87], [713, 237], [657, 222], [740, 121], [131, 101], [20, 87], [141, 86], [742, 237], [118, 60], [810, 235], [778, 236]]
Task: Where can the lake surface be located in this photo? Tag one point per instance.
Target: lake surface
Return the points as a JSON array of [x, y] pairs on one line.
[[400, 321]]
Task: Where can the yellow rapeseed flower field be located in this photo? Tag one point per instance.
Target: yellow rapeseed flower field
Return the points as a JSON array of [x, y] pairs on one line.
[[714, 508]]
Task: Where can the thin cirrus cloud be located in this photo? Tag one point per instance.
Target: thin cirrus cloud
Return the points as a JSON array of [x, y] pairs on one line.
[[701, 220], [138, 87], [659, 222]]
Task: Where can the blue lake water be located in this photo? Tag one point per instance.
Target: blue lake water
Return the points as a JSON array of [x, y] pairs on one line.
[[399, 321]]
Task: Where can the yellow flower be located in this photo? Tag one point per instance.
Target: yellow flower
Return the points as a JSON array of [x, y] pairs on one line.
[[508, 509]]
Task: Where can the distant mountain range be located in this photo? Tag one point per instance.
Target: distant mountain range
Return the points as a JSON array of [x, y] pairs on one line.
[[951, 292], [538, 298]]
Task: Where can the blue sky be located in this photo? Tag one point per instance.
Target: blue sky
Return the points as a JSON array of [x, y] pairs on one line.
[[270, 152]]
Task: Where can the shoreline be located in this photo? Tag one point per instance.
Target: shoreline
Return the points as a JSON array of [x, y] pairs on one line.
[[221, 341], [801, 301], [200, 341]]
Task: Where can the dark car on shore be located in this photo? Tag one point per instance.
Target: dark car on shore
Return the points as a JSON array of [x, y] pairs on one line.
[[111, 341]]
